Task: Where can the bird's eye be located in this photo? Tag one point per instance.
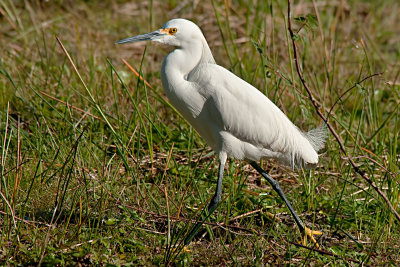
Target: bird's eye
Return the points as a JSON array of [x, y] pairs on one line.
[[172, 30]]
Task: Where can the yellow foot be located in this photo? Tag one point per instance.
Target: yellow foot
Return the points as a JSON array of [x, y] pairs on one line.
[[310, 233], [184, 249]]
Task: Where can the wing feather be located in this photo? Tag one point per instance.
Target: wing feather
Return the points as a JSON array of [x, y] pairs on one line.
[[249, 115]]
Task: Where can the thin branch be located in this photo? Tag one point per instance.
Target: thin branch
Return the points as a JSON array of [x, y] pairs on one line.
[[330, 127], [181, 219], [323, 252], [351, 88]]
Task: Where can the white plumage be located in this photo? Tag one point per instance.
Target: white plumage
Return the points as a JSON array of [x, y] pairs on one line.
[[232, 116]]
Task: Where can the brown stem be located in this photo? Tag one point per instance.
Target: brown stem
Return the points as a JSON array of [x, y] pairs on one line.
[[351, 88], [330, 127]]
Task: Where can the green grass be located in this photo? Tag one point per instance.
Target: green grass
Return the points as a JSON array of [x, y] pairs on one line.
[[99, 169]]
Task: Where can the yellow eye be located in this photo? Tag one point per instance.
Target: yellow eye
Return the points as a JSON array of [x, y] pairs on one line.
[[172, 30]]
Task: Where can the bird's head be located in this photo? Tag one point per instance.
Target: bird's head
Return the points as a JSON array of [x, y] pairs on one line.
[[176, 32]]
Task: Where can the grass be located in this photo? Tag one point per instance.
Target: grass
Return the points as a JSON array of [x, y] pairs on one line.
[[97, 168]]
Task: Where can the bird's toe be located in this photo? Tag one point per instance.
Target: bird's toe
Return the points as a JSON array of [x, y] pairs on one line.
[[310, 233]]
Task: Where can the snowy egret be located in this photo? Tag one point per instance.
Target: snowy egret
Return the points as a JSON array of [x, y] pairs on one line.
[[235, 119]]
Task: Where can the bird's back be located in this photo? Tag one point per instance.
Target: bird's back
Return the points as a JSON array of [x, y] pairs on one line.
[[247, 124]]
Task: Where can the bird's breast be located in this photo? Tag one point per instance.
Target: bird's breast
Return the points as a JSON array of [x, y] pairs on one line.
[[185, 96]]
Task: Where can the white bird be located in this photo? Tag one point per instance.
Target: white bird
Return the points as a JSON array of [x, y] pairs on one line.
[[234, 118]]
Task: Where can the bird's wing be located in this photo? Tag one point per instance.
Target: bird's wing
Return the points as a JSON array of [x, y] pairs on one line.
[[246, 113]]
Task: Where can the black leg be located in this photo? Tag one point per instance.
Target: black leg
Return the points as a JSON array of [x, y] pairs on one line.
[[213, 203], [277, 188], [218, 190]]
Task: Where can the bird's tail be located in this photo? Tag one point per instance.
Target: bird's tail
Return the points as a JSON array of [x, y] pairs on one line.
[[304, 155], [317, 137]]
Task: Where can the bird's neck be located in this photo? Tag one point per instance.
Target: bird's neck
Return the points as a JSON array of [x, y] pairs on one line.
[[180, 62]]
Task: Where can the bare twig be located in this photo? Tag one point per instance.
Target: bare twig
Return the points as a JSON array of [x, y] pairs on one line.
[[351, 88], [326, 120], [324, 252], [181, 219], [380, 165]]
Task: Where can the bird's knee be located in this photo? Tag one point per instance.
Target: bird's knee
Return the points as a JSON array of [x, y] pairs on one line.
[[274, 183], [215, 200]]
